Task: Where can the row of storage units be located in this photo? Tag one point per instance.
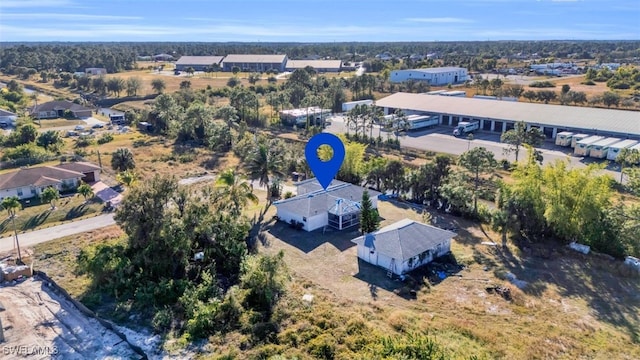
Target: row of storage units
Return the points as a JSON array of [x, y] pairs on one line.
[[598, 147]]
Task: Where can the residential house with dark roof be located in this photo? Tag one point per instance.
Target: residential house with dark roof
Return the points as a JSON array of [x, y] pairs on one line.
[[314, 208], [403, 246], [56, 109], [253, 62], [198, 63], [27, 183]]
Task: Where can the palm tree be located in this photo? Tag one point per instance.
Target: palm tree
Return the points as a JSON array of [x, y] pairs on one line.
[[85, 190], [266, 162], [238, 191], [50, 195], [11, 204], [122, 159]]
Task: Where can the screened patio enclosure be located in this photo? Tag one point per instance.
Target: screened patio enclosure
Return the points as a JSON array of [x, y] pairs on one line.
[[344, 213]]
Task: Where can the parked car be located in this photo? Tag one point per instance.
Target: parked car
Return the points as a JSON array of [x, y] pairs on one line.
[[98, 126], [78, 128], [72, 133]]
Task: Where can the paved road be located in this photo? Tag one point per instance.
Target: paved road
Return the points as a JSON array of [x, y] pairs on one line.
[[56, 232], [439, 139]]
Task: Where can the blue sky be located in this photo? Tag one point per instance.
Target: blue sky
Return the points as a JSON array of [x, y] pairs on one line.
[[318, 20]]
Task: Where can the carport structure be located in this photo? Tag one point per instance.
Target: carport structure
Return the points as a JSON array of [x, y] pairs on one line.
[[500, 116]]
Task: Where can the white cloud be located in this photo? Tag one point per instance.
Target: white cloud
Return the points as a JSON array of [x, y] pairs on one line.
[[34, 3], [440, 20], [62, 16]]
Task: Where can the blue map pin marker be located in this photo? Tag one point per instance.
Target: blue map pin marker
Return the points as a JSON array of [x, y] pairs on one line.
[[324, 171]]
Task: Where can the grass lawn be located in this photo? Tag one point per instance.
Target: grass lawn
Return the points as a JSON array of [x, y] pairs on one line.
[[53, 123], [36, 215]]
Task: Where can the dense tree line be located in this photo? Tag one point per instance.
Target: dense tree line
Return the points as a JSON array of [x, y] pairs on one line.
[[186, 261], [67, 57], [116, 56]]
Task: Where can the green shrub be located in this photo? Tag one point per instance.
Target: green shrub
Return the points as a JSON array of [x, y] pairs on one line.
[[588, 82], [323, 346], [203, 321], [542, 84], [105, 138], [162, 320], [186, 158]]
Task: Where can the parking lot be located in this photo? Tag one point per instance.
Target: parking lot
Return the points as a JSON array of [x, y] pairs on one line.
[[440, 139]]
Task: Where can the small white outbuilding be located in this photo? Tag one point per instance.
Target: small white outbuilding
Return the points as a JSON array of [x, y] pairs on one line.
[[404, 245]]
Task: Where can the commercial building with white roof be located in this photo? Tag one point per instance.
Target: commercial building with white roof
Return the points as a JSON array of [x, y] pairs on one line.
[[434, 76], [198, 63], [318, 65], [500, 116], [254, 62]]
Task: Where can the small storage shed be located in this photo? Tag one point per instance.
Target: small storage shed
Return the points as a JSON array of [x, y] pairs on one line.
[[404, 245], [584, 146]]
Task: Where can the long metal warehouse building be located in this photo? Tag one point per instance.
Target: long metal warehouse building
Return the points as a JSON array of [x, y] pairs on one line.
[[500, 116]]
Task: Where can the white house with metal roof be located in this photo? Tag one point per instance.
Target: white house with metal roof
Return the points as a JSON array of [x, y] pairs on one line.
[[500, 116], [404, 245], [338, 206], [434, 76]]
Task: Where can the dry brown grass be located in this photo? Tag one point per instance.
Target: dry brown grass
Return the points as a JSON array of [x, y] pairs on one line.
[[540, 322], [58, 257], [199, 81]]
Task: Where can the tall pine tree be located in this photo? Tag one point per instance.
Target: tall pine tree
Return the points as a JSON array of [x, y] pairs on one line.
[[369, 219]]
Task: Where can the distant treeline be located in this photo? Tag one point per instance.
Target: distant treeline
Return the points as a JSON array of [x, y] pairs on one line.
[[118, 56]]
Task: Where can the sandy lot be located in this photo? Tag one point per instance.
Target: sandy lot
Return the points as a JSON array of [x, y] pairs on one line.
[[39, 324]]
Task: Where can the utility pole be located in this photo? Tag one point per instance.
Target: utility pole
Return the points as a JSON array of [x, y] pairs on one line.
[[15, 232], [99, 160]]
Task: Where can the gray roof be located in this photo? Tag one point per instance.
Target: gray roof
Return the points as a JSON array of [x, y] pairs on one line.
[[309, 185], [199, 60], [317, 64], [6, 113], [36, 176], [404, 239], [59, 105], [254, 58], [576, 117], [436, 70], [79, 166], [319, 201]]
